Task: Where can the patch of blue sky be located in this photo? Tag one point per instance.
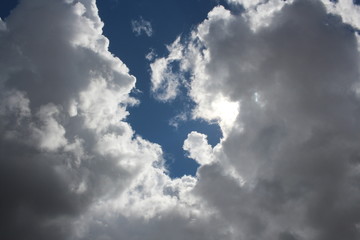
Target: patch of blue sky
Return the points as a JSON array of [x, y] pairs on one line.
[[151, 119], [357, 2], [6, 7]]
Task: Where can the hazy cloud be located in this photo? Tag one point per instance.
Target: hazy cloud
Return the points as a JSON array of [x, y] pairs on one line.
[[141, 26]]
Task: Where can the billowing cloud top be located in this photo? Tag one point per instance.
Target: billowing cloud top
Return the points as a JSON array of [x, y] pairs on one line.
[[285, 94]]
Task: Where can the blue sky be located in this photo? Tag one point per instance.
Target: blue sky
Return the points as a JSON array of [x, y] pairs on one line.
[[150, 119], [7, 6], [179, 119]]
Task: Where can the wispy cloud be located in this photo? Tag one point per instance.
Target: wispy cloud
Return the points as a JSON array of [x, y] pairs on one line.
[[141, 26]]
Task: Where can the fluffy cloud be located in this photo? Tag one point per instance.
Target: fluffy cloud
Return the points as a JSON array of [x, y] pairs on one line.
[[346, 9], [287, 167], [199, 149], [71, 167], [68, 159], [284, 94]]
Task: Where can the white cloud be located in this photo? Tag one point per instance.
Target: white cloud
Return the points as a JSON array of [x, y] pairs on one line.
[[346, 9], [283, 95], [260, 12], [288, 155], [164, 84], [141, 26], [71, 167], [50, 135], [198, 148], [65, 147]]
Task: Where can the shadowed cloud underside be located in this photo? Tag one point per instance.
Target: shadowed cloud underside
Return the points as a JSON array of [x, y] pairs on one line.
[[278, 79]]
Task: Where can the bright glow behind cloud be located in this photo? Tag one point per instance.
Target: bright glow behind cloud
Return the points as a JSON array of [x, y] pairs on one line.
[[291, 75], [284, 95]]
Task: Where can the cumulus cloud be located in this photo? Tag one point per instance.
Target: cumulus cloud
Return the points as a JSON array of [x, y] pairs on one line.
[[284, 94], [198, 147], [346, 9], [69, 161], [287, 166], [71, 167], [141, 26]]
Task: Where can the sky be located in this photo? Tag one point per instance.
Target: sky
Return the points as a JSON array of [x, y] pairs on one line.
[[169, 119], [167, 20]]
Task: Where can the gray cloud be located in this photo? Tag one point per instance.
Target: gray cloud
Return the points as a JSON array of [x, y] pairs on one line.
[[286, 168], [71, 167], [62, 137], [284, 94]]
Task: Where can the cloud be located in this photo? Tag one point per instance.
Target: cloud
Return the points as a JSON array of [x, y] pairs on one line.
[[141, 26], [65, 147], [346, 9], [287, 166], [151, 55], [165, 84], [178, 119], [71, 167], [245, 3], [198, 147], [284, 94]]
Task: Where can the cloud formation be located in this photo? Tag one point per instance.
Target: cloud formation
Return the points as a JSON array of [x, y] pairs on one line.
[[65, 147], [285, 94], [164, 83], [141, 26], [71, 167], [286, 167]]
